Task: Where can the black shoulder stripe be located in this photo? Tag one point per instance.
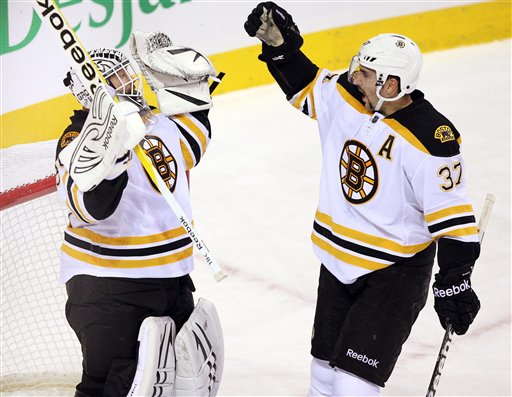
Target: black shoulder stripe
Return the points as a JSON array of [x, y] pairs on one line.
[[72, 130], [433, 130], [350, 88]]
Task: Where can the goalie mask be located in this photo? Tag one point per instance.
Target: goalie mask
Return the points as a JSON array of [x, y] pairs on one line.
[[117, 69], [389, 55]]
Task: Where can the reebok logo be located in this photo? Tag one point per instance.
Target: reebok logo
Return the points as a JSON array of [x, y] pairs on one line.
[[453, 290], [278, 58], [372, 362], [79, 60], [108, 135]]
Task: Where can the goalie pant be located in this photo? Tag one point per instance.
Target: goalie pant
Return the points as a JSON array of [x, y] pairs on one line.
[[106, 314]]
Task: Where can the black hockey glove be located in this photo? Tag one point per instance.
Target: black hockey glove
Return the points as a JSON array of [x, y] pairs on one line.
[[454, 300], [275, 28]]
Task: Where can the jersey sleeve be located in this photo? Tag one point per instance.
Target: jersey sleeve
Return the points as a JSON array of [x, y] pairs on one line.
[[92, 206], [439, 186], [195, 135]]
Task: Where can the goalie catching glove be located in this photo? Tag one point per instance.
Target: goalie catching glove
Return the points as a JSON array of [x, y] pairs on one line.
[[178, 75]]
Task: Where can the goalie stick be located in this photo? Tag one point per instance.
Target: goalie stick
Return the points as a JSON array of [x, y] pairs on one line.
[[447, 339], [79, 59]]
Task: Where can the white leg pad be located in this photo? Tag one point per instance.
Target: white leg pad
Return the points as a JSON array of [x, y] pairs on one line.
[[199, 351], [347, 384], [156, 362], [322, 378]]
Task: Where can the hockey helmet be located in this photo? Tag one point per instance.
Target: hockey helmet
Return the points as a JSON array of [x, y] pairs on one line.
[[390, 54], [110, 62]]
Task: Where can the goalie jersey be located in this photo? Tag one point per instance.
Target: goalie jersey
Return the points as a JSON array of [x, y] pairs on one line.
[[124, 227], [389, 185]]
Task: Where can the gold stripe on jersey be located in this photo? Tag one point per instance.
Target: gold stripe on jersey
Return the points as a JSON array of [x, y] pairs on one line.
[[448, 212], [77, 204], [406, 134], [464, 232], [193, 126], [345, 257], [187, 155], [126, 264], [351, 100], [70, 201], [370, 240], [127, 240]]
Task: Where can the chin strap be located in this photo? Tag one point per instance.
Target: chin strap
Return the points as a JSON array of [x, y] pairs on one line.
[[383, 99]]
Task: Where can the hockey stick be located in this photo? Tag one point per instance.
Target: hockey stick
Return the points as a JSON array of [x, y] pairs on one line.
[[447, 339], [84, 66]]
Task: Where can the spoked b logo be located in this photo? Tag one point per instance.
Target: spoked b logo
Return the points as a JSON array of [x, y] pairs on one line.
[[358, 172], [162, 159]]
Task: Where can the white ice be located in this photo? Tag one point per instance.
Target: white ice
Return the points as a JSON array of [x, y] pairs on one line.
[[254, 197]]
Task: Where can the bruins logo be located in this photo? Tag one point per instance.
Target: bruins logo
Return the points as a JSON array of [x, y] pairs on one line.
[[400, 44], [358, 171], [444, 134], [162, 159], [67, 138]]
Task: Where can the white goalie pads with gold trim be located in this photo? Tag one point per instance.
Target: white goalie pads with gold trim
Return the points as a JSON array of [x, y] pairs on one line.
[[199, 350], [178, 75], [109, 131]]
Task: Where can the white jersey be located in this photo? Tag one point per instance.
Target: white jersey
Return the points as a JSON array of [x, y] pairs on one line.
[[389, 185], [141, 238]]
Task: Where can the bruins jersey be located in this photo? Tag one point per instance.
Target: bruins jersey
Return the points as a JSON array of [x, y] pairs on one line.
[[389, 185], [124, 227]]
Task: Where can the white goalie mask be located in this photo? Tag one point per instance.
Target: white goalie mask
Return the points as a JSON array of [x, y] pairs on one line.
[[121, 74], [389, 54]]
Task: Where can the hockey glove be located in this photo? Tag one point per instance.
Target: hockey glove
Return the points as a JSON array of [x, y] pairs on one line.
[[275, 28], [178, 75], [454, 300]]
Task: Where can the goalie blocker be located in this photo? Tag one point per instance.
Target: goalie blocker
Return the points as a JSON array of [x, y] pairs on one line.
[[190, 364], [101, 150]]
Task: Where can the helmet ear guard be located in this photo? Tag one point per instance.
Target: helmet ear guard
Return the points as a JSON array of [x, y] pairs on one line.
[[389, 55]]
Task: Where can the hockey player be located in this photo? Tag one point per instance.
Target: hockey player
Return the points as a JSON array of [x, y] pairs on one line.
[[392, 186], [125, 257]]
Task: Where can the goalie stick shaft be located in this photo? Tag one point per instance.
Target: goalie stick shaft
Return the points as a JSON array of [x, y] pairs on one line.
[[447, 339], [84, 66]]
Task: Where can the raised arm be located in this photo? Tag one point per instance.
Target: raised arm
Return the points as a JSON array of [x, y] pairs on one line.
[[281, 43]]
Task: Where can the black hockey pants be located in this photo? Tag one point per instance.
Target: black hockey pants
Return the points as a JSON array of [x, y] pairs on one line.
[[106, 314]]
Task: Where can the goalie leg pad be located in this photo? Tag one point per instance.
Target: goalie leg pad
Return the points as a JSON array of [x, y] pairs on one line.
[[156, 360], [199, 351]]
